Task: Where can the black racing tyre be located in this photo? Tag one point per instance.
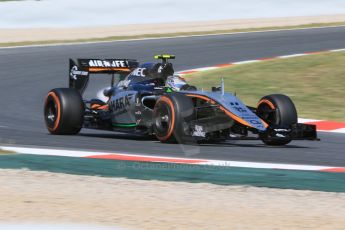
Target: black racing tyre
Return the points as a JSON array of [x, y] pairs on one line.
[[171, 115], [64, 111], [277, 110]]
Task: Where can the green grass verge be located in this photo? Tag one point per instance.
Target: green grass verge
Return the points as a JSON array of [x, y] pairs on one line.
[[117, 38], [316, 83]]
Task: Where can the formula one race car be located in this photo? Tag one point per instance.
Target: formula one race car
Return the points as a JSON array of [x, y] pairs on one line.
[[149, 99]]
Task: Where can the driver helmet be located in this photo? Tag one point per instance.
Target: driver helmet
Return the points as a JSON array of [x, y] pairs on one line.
[[175, 82]]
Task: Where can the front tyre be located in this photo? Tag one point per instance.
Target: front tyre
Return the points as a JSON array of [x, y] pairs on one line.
[[63, 111], [171, 116], [277, 110]]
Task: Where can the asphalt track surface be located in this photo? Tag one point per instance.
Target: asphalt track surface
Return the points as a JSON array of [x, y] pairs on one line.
[[27, 74]]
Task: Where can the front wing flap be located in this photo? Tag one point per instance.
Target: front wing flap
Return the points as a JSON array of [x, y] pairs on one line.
[[304, 131], [295, 132]]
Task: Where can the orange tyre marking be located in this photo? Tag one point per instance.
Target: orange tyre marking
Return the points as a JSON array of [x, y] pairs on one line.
[[57, 102], [269, 103], [171, 128]]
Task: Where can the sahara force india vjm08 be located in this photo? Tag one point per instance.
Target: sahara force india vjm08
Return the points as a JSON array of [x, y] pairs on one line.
[[149, 99]]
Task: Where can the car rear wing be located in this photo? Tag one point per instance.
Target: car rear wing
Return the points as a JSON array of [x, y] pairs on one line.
[[80, 70]]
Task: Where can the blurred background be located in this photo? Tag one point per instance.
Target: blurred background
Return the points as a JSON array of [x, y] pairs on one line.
[[72, 13]]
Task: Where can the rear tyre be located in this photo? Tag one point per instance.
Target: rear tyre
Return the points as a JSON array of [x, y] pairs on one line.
[[171, 116], [277, 110], [64, 111]]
